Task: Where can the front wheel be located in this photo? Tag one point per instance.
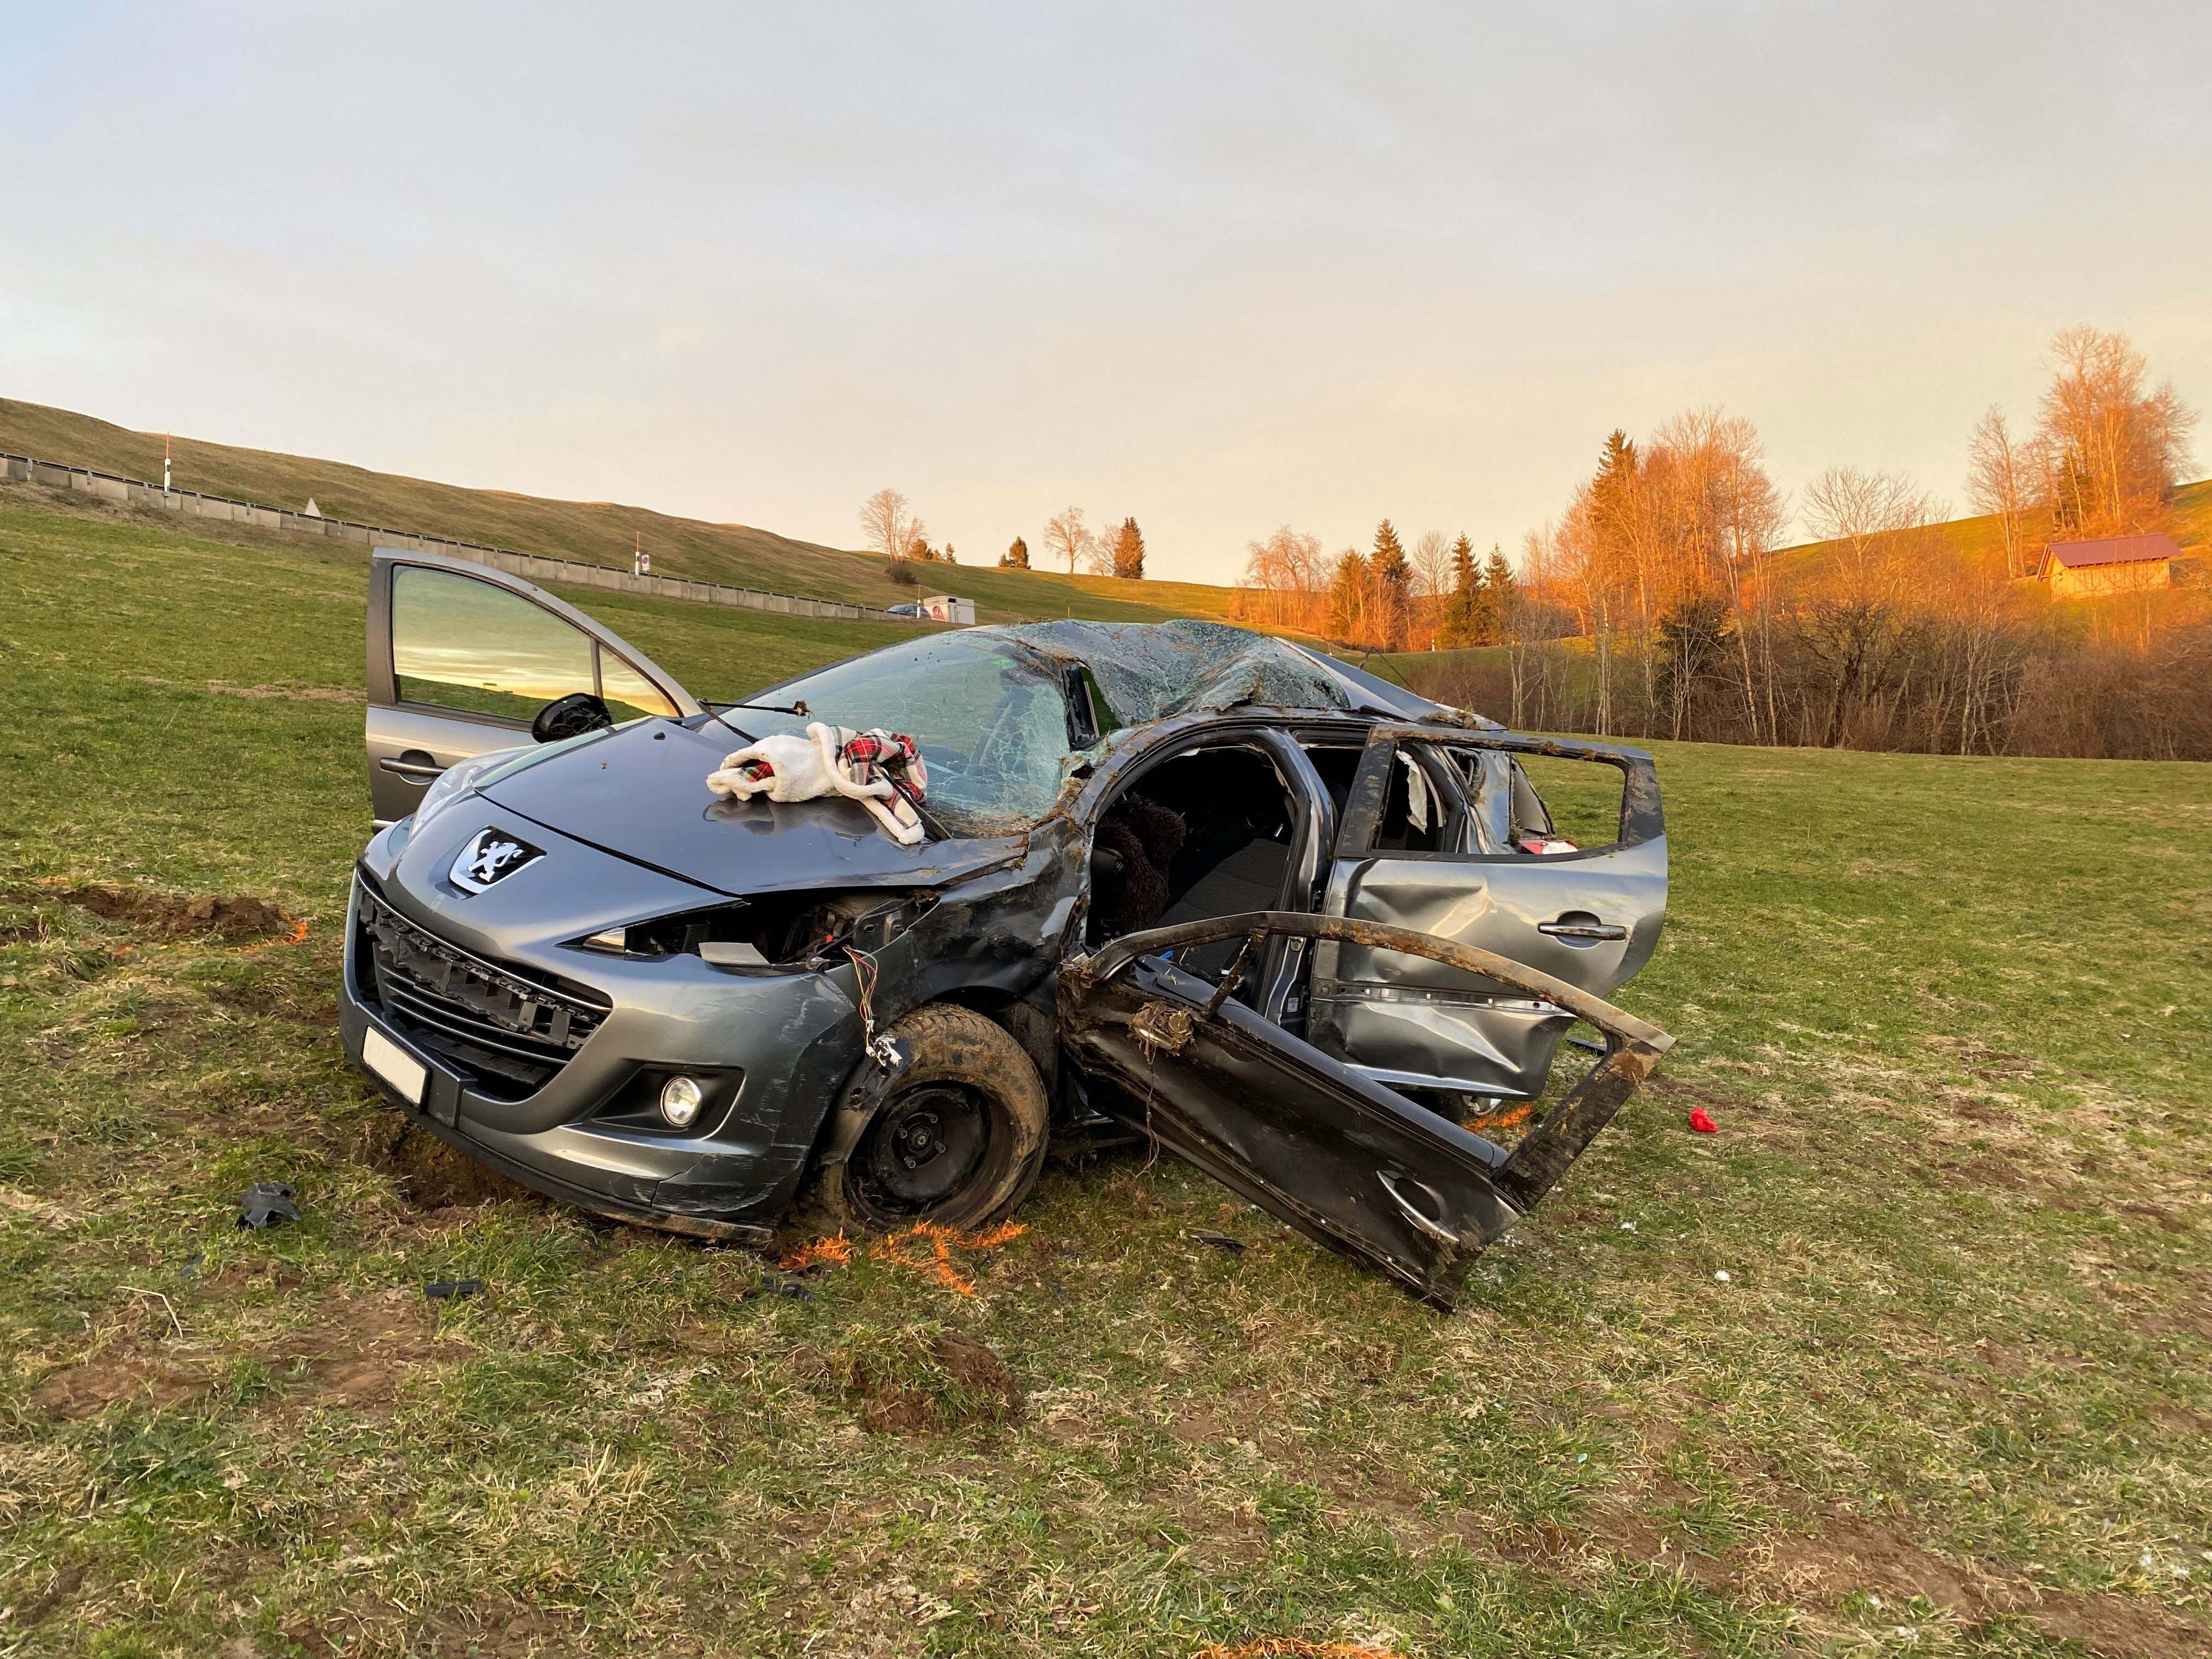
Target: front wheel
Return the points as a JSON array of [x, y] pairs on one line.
[[957, 1142]]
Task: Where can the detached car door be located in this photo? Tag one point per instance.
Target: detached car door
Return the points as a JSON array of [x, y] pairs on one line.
[[1444, 833], [461, 658], [1347, 1161]]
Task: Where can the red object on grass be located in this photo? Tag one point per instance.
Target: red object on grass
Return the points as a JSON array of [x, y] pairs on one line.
[[1701, 1123]]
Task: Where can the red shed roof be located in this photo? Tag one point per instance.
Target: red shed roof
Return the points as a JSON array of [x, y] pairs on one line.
[[2111, 550]]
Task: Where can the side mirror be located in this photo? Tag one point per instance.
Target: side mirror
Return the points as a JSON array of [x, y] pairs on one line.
[[570, 717]]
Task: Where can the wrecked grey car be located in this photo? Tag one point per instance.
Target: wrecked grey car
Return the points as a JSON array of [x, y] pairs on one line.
[[1181, 884]]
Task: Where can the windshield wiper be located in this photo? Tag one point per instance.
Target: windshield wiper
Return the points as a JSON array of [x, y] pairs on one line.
[[797, 711]]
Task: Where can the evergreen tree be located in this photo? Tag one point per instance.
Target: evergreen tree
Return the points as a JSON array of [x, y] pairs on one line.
[[1614, 489], [1456, 613], [1017, 556], [1500, 591], [1393, 582], [1465, 578], [1348, 597], [1616, 462], [1129, 551]]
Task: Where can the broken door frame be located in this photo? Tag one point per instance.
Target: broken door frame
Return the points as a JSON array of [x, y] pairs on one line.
[[1519, 1178]]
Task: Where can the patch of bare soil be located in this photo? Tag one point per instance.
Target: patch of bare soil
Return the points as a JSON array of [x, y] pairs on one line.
[[494, 1630], [364, 1347], [429, 1173], [1988, 1172], [59, 1592], [357, 1354], [1673, 1088], [1621, 1529], [1233, 1537], [1975, 1110], [954, 1380], [1848, 1554], [233, 917], [86, 1390], [260, 693], [316, 1010], [2165, 1218]]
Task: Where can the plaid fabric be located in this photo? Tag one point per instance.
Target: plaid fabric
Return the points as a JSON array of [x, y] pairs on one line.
[[890, 754]]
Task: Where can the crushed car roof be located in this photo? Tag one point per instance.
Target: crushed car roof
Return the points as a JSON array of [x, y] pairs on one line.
[[1154, 671]]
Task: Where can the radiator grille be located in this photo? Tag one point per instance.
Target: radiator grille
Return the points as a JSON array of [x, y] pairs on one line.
[[513, 1031]]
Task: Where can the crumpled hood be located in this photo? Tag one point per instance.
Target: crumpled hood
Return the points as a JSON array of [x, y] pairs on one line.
[[640, 792]]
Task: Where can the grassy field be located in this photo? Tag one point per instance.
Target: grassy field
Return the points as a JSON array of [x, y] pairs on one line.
[[1913, 1357], [599, 532]]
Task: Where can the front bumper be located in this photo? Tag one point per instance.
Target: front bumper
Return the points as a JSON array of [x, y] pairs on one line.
[[780, 1044]]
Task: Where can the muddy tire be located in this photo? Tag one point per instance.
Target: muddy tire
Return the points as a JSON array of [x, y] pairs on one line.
[[958, 1141]]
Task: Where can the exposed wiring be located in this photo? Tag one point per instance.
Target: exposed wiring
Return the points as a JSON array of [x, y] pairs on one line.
[[880, 1048]]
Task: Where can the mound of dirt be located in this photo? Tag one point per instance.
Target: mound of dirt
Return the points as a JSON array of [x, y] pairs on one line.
[[234, 917]]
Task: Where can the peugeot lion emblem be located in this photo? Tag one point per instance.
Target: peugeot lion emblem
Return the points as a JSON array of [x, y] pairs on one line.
[[491, 856]]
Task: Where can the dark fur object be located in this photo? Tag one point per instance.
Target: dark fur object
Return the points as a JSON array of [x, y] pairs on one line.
[[1147, 836]]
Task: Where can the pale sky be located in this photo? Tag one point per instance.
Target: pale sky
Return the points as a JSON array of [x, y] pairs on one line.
[[1220, 267]]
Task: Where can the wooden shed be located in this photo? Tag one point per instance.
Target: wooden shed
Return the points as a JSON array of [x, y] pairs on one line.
[[2111, 564]]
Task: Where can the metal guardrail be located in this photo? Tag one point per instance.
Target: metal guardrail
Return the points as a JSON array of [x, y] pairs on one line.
[[533, 567]]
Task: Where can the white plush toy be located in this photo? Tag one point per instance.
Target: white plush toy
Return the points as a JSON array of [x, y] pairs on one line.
[[881, 770]]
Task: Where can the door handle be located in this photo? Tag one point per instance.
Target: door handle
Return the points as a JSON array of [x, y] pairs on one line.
[[418, 771], [1413, 1211], [1583, 929]]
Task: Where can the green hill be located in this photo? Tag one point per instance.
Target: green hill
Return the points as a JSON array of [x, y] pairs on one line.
[[598, 533], [1980, 538]]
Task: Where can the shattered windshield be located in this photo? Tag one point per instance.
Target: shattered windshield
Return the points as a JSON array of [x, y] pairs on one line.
[[991, 722]]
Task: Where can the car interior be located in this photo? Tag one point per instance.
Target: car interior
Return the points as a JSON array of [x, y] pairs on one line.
[[1206, 833]]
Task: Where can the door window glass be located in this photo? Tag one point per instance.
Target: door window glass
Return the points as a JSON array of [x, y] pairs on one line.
[[627, 693], [460, 643]]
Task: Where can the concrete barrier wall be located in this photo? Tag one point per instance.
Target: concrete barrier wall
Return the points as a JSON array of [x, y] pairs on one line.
[[531, 567]]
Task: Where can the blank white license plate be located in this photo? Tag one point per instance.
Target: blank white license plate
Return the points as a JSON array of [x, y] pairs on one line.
[[394, 1064]]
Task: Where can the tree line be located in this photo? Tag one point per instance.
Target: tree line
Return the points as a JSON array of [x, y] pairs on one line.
[[1437, 595], [892, 528], [1661, 602]]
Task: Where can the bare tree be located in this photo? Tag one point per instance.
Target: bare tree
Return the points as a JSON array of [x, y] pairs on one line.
[[1285, 577], [2115, 449], [1098, 551], [889, 528], [1066, 536], [1431, 562], [2001, 478], [1875, 521], [1859, 616]]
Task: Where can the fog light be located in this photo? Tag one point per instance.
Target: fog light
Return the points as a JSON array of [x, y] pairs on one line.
[[680, 1100]]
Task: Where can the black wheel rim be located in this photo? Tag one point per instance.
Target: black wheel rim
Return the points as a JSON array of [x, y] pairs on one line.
[[923, 1151]]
